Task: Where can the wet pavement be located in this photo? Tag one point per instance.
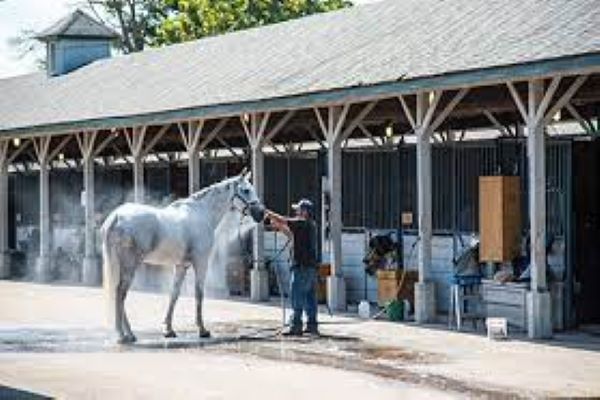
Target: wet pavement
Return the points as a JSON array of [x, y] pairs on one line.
[[261, 339], [54, 342]]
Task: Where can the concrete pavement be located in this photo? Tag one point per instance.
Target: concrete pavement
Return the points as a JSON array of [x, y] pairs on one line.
[[54, 341]]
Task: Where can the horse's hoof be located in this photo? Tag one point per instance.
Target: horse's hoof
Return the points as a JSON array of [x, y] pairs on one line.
[[126, 340], [205, 334], [170, 334]]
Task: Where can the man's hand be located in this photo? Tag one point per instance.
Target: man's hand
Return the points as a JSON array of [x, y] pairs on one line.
[[278, 223], [275, 218]]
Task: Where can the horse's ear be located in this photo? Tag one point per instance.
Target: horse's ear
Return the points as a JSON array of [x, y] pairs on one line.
[[246, 173]]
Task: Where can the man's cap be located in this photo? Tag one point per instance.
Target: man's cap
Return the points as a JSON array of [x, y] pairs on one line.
[[304, 204]]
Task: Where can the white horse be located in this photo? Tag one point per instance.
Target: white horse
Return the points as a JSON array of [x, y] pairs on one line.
[[179, 235]]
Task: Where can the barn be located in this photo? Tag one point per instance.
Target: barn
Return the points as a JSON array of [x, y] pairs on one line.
[[386, 115]]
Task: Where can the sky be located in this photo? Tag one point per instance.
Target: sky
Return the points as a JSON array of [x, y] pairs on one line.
[[17, 16]]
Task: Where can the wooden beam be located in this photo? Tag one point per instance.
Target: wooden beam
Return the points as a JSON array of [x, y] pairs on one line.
[[541, 111], [227, 146], [280, 125], [321, 122], [135, 140], [518, 101], [566, 97], [148, 148], [431, 110], [183, 135], [246, 129], [503, 130], [339, 123], [19, 150], [407, 112], [316, 137], [59, 148], [358, 119], [216, 130], [86, 142], [448, 109], [105, 143], [368, 134], [585, 124], [41, 146], [196, 134], [264, 121], [129, 139], [4, 143]]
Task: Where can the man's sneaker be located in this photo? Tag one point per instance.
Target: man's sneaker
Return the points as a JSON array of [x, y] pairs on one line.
[[292, 332], [312, 331]]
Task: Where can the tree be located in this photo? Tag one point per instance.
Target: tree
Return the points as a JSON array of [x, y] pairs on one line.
[[135, 20], [160, 22], [192, 19]]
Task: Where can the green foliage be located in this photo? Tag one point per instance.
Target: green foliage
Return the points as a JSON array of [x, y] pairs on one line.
[[192, 19], [135, 20]]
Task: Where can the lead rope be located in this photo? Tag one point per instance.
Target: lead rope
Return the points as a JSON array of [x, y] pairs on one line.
[[268, 262]]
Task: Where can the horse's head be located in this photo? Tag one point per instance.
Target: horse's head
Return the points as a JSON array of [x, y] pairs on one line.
[[245, 199]]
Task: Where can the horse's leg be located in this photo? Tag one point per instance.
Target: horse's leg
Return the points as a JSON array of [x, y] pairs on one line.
[[128, 279], [119, 306], [200, 267], [178, 278], [127, 275]]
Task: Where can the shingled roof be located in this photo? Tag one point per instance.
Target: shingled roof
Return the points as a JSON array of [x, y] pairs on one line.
[[77, 25], [368, 47]]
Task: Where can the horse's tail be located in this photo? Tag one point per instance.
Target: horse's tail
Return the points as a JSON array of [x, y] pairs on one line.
[[111, 266]]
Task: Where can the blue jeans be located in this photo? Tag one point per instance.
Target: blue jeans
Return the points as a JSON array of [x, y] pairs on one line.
[[303, 296]]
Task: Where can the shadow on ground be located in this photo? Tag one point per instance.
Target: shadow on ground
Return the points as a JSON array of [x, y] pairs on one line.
[[18, 394]]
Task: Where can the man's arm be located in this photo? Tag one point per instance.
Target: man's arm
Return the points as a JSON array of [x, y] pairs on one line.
[[279, 223]]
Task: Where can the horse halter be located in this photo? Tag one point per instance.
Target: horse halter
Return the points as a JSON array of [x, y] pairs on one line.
[[247, 204]]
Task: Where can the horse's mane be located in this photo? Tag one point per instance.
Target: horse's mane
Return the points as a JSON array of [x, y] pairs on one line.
[[203, 193]]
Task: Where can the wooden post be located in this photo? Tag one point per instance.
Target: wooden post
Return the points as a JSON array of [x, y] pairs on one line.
[[4, 258], [138, 179], [135, 140], [43, 266], [91, 273], [425, 289], [334, 136], [6, 158], [255, 126], [191, 137], [424, 189], [91, 267], [536, 113], [193, 171], [424, 125], [43, 269], [537, 191]]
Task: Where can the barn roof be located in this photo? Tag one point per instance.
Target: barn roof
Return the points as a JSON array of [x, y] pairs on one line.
[[366, 50], [77, 25]]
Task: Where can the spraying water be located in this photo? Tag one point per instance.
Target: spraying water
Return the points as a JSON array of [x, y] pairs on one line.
[[232, 242]]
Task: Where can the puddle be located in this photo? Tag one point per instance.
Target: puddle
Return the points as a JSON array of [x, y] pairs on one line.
[[394, 354], [18, 340]]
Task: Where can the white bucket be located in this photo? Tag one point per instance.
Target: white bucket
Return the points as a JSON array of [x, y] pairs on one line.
[[364, 309], [497, 328]]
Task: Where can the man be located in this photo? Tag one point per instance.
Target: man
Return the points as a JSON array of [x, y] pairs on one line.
[[302, 230]]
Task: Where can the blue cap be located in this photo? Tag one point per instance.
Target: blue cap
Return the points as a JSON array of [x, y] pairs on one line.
[[304, 204]]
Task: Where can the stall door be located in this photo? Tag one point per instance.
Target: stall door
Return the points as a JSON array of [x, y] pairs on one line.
[[587, 231]]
